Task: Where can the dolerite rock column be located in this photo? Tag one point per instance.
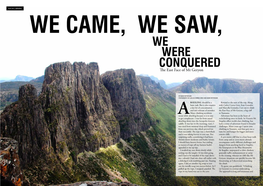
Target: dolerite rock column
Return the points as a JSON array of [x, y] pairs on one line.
[[128, 103]]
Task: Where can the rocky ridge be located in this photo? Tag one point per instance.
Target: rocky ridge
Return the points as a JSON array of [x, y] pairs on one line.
[[127, 100], [147, 85], [78, 110]]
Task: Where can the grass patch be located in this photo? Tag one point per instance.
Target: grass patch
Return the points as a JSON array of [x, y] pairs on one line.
[[165, 113], [112, 158]]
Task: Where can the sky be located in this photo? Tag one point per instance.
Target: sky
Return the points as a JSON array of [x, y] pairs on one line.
[[239, 47]]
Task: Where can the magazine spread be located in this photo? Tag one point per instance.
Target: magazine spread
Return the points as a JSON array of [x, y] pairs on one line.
[[131, 93]]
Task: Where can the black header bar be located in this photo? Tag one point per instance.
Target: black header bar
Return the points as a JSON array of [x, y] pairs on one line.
[[15, 8]]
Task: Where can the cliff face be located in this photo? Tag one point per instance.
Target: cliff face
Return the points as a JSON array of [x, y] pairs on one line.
[[78, 110], [127, 100], [72, 114], [24, 122]]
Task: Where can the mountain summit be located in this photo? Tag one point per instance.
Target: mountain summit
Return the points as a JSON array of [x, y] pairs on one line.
[[78, 110]]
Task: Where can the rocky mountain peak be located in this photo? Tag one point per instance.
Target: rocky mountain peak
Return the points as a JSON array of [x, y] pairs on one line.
[[27, 90], [73, 113], [128, 103], [78, 110], [94, 66]]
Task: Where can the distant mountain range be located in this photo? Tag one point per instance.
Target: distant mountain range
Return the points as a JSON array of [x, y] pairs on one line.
[[206, 85], [162, 82], [19, 78]]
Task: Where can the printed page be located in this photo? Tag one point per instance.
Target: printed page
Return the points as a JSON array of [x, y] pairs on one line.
[[148, 93], [217, 135]]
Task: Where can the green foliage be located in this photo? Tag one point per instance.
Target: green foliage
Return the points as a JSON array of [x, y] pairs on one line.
[[156, 157], [117, 180], [165, 114], [112, 158], [90, 166], [57, 177]]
